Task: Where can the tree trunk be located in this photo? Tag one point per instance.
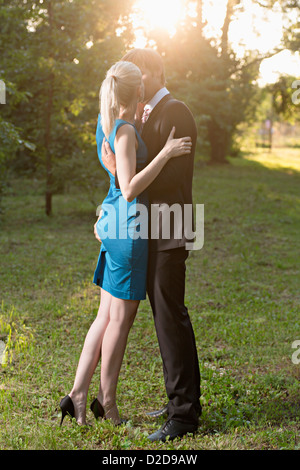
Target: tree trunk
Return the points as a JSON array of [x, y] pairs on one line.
[[220, 138], [225, 28], [219, 143], [48, 148], [49, 110], [200, 17]]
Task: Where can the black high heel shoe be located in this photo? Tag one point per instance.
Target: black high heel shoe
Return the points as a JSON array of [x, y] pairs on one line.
[[67, 408], [97, 409], [99, 412]]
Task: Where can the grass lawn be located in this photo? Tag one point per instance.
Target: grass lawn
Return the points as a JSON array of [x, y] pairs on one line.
[[242, 292]]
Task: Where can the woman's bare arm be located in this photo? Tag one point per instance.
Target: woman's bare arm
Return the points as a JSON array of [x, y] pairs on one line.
[[131, 183]]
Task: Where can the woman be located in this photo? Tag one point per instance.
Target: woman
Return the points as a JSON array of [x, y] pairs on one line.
[[122, 264]]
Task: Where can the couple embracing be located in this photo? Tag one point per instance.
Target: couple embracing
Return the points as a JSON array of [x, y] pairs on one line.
[[146, 164]]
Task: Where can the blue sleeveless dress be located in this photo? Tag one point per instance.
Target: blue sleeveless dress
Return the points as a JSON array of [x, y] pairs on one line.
[[123, 229]]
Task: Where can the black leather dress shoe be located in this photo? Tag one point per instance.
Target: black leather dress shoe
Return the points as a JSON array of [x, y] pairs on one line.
[[158, 413], [172, 429]]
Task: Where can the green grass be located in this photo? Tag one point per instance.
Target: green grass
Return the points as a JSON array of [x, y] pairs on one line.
[[242, 292]]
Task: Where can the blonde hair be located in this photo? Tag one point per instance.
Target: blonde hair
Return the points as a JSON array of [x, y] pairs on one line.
[[118, 89]]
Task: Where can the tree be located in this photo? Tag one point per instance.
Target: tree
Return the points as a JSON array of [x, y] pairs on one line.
[[61, 62], [290, 10], [13, 34], [217, 86]]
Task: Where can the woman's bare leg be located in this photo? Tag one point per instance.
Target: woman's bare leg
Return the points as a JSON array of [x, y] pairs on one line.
[[89, 358], [122, 315]]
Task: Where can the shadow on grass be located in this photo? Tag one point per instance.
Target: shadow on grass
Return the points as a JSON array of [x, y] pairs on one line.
[[278, 411]]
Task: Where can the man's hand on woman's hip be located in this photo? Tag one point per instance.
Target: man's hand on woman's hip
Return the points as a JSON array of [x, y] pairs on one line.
[[108, 157]]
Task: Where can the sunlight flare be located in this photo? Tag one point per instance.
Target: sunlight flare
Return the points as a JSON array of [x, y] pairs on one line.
[[160, 14], [253, 28]]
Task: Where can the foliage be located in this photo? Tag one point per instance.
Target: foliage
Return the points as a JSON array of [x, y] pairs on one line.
[[60, 58], [281, 93], [219, 87], [16, 336], [54, 55], [291, 11]]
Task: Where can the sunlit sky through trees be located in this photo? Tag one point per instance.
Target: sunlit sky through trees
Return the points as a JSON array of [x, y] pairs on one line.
[[253, 28]]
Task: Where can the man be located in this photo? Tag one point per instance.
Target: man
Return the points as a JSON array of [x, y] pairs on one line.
[[167, 255]]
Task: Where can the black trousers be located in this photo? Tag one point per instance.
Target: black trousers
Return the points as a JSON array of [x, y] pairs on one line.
[[166, 289]]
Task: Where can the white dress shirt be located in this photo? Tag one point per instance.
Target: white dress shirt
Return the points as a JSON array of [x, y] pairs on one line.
[[156, 99]]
